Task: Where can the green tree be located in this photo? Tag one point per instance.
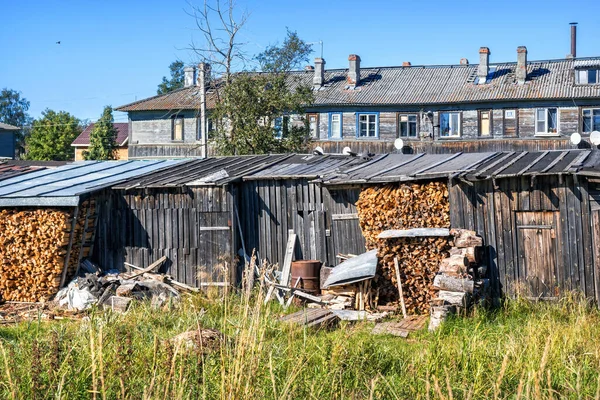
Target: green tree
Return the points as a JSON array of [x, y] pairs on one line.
[[51, 136], [102, 138], [13, 111], [176, 81], [256, 109]]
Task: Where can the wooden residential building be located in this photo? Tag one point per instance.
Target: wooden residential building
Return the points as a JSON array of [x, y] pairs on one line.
[[510, 106], [82, 142], [8, 142]]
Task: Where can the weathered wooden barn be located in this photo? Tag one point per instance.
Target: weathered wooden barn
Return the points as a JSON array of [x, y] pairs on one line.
[[538, 212]]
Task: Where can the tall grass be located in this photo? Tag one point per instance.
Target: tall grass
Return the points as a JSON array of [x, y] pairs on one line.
[[522, 351]]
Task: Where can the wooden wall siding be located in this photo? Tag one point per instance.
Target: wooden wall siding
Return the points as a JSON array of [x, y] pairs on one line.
[[349, 125], [165, 150], [388, 126], [445, 147], [492, 208], [511, 125], [470, 124], [326, 224], [498, 123], [569, 120], [189, 226]]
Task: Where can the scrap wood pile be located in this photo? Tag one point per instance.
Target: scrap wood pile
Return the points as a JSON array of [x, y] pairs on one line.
[[461, 281], [400, 207], [35, 246], [117, 291]]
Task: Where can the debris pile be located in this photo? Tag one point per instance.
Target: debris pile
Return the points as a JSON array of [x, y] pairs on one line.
[[460, 282]]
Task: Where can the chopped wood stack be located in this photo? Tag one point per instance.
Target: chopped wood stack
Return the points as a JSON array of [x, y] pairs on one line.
[[33, 246], [405, 206], [460, 281]]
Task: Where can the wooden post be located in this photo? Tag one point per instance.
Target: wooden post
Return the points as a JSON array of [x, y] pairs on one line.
[[68, 255], [399, 282]]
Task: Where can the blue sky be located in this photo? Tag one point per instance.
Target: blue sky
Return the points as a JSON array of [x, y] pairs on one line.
[[114, 52]]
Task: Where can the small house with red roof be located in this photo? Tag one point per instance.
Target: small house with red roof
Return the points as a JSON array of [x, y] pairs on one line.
[[82, 142]]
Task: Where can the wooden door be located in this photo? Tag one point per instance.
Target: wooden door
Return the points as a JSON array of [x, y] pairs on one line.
[[537, 253], [313, 124]]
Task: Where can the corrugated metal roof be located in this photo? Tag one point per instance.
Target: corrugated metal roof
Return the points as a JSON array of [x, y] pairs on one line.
[[201, 172], [470, 166], [8, 127], [84, 137], [62, 186], [306, 167], [418, 85], [10, 171]]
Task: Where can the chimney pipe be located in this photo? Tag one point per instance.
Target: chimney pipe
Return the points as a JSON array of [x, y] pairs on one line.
[[188, 76], [406, 63], [354, 70], [573, 39], [521, 72], [484, 65], [319, 77]]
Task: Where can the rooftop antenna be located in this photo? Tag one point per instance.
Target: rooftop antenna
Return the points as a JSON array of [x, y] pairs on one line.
[[320, 43]]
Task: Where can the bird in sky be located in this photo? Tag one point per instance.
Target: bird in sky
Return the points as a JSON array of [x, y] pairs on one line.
[[58, 42]]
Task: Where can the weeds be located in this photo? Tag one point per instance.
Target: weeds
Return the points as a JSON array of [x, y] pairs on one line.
[[523, 350]]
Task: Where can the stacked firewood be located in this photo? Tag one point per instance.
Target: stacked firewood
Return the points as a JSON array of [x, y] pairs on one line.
[[33, 246], [402, 207], [405, 206], [460, 281]]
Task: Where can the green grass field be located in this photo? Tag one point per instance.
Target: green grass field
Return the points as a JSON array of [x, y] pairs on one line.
[[521, 351]]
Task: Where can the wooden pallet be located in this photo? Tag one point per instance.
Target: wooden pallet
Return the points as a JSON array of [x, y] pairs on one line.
[[310, 317], [403, 328]]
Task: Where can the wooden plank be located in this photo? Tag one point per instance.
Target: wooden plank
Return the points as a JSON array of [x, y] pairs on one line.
[[595, 221], [63, 277], [588, 244], [342, 217], [287, 262], [415, 232], [563, 227]]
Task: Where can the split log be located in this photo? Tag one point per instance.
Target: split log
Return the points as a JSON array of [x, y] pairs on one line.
[[473, 254], [439, 314], [455, 265], [465, 238], [452, 284], [453, 298]]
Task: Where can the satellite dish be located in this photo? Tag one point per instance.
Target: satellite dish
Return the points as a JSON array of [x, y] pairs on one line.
[[595, 138], [347, 151], [318, 151], [399, 143], [575, 138]]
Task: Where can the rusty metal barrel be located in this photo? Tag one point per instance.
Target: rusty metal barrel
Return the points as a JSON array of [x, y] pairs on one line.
[[308, 272]]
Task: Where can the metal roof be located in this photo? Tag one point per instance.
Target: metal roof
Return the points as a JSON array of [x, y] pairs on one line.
[[63, 185], [10, 171], [202, 172], [469, 166], [418, 86], [306, 166], [122, 129], [8, 127]]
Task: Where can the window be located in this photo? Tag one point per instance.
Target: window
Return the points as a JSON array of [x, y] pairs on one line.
[[367, 125], [281, 126], [335, 125], [408, 125], [177, 128], [313, 125], [450, 124], [209, 128], [546, 122], [586, 76], [485, 123], [591, 120]]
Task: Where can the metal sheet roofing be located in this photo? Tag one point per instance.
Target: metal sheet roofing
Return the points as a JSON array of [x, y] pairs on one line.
[[122, 134], [418, 85], [306, 166], [63, 185], [8, 127], [10, 171], [470, 166], [201, 172]]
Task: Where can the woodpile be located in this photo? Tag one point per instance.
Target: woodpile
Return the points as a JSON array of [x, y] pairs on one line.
[[34, 247], [405, 206], [460, 281]]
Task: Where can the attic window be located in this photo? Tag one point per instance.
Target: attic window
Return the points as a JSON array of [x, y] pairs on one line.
[[586, 76]]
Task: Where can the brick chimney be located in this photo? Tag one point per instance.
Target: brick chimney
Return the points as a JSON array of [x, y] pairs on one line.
[[521, 73], [484, 65], [353, 77], [188, 75], [319, 77]]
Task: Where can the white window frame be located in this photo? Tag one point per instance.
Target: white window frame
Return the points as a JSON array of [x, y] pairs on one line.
[[582, 76], [369, 116], [340, 134], [490, 123], [451, 134], [591, 110], [408, 122], [545, 131]]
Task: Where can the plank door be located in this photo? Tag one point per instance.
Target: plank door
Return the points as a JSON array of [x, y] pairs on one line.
[[537, 253]]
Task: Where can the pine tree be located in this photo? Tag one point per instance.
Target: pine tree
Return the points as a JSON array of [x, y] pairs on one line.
[[102, 138]]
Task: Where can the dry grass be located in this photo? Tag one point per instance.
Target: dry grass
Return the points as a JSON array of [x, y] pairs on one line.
[[522, 351]]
